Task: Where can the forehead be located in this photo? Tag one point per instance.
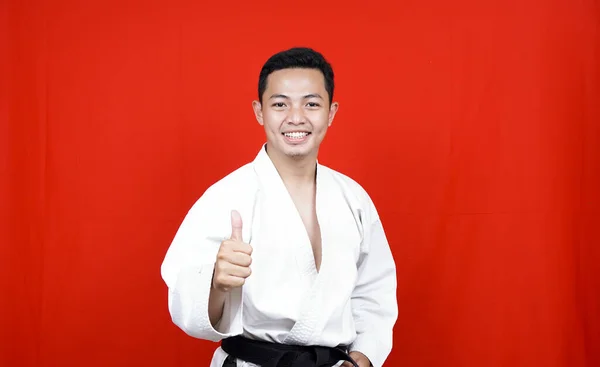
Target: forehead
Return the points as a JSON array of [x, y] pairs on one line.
[[296, 79]]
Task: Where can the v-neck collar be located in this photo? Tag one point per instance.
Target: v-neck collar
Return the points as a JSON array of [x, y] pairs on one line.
[[287, 217], [273, 185]]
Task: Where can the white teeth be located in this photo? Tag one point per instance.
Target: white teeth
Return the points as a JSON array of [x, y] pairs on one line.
[[296, 135]]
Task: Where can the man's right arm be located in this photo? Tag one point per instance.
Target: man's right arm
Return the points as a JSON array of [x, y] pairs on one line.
[[216, 303], [188, 270], [232, 267]]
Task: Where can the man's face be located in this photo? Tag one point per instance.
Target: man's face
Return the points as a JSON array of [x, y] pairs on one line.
[[295, 111]]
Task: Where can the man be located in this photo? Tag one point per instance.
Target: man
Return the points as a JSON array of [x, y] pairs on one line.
[[285, 260]]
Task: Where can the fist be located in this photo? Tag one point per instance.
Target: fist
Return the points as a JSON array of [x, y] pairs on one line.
[[360, 359], [233, 259]]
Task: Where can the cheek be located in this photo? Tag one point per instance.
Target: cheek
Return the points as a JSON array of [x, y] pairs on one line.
[[272, 121], [320, 121]]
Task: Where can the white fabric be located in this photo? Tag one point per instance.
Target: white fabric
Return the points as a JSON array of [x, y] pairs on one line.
[[351, 300]]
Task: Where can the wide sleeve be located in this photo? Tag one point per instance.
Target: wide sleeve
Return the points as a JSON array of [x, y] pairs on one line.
[[374, 303], [187, 270]]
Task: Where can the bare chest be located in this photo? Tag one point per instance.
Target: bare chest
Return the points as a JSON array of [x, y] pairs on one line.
[[307, 210]]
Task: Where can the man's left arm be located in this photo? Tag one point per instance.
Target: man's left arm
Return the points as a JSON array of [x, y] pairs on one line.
[[374, 303]]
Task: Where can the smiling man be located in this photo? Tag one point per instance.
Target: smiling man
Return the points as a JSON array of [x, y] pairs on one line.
[[285, 260]]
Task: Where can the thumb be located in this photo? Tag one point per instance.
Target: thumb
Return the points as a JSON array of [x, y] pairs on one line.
[[236, 226]]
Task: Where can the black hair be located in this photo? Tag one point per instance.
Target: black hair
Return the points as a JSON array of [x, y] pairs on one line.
[[297, 57]]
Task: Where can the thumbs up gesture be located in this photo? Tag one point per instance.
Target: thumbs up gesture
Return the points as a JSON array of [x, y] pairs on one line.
[[233, 259]]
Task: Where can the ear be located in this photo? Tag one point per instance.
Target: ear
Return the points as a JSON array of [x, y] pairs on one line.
[[332, 111], [257, 107]]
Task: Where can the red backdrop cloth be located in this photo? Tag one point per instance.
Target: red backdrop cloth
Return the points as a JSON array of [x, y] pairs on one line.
[[475, 126]]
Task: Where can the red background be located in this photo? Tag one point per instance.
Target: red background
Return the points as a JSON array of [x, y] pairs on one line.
[[474, 125]]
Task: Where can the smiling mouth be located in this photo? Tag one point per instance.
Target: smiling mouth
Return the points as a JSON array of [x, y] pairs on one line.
[[296, 135]]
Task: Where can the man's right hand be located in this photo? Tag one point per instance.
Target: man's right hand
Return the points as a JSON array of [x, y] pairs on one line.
[[233, 259]]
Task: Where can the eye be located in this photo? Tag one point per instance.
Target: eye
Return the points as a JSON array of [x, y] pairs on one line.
[[278, 105], [313, 104]]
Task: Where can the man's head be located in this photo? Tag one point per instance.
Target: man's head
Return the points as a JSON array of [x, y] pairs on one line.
[[295, 101]]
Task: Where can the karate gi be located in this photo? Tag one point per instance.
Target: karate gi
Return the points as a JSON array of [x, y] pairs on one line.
[[351, 300]]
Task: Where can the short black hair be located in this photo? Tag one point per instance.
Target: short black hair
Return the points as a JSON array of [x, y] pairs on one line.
[[297, 57]]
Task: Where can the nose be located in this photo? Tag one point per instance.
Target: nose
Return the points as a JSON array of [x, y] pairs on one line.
[[296, 116]]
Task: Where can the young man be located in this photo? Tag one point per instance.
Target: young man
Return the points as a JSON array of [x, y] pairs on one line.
[[285, 260]]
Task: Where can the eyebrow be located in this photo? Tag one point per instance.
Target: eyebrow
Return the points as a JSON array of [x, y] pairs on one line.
[[312, 95]]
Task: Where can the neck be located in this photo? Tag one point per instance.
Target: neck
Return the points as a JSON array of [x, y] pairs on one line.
[[294, 171]]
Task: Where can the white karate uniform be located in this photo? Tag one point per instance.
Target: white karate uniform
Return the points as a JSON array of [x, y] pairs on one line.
[[350, 301]]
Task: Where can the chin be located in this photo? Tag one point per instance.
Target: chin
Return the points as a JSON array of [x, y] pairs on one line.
[[296, 155], [298, 151]]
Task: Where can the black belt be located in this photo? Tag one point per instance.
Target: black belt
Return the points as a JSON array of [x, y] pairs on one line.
[[267, 354]]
